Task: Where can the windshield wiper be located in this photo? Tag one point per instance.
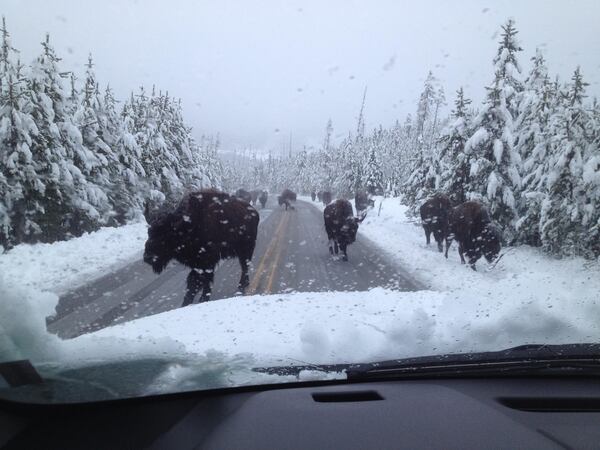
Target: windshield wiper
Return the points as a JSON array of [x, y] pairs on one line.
[[542, 359], [539, 359], [19, 373]]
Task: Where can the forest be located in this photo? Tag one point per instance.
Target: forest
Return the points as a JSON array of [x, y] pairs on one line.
[[530, 152], [73, 158]]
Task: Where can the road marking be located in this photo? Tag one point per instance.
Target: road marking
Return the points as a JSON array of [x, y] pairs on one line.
[[269, 287], [266, 256]]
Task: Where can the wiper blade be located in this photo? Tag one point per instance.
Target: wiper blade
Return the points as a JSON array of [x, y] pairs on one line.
[[19, 373], [575, 358], [295, 370], [526, 359]]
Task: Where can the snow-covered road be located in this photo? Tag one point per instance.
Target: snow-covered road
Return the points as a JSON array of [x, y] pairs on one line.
[[291, 256]]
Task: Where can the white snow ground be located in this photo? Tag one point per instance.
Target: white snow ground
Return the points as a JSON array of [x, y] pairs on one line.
[[67, 264], [527, 298]]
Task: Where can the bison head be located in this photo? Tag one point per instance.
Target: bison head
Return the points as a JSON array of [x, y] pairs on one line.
[[491, 242], [349, 229], [162, 239]]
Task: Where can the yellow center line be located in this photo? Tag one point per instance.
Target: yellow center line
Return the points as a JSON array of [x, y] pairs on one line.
[[269, 287], [266, 257]]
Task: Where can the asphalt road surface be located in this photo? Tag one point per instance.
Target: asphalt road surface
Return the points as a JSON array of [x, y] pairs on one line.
[[291, 256]]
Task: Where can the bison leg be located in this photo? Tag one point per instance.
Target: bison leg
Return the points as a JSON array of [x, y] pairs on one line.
[[427, 234], [195, 282], [244, 279], [331, 246], [335, 247], [207, 279], [344, 248], [460, 252]]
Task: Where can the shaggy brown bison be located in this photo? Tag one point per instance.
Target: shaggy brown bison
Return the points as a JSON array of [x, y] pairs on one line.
[[204, 228], [362, 201], [326, 197], [286, 198], [243, 194], [254, 196], [434, 218], [341, 226], [471, 227], [262, 198]]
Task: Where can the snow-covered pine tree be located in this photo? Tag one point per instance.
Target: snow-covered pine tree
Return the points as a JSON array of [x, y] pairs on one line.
[[537, 102], [454, 177], [423, 172], [327, 166], [6, 194], [373, 173], [56, 185], [494, 173], [126, 192], [565, 214], [17, 130], [591, 179], [93, 157]]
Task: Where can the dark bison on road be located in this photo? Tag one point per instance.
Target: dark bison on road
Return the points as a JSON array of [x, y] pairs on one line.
[[286, 198], [204, 228], [471, 227], [326, 197], [243, 194], [262, 198], [434, 218], [341, 226], [254, 196]]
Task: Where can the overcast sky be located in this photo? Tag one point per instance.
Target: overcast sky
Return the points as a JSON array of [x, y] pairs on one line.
[[256, 71]]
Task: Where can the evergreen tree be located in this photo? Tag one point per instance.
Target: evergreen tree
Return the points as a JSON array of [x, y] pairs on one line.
[[567, 212], [373, 175], [454, 178], [17, 164], [532, 141], [424, 169], [494, 164]]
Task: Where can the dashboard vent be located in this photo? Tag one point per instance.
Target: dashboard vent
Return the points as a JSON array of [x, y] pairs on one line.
[[348, 396], [552, 404]]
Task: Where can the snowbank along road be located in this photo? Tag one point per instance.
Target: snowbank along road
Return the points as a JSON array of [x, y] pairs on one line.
[[291, 255]]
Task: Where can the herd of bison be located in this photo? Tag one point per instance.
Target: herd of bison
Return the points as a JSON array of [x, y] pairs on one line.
[[208, 226]]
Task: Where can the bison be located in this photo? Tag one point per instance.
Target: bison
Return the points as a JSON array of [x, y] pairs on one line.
[[434, 218], [243, 194], [286, 198], [341, 226], [262, 198], [313, 195], [326, 197], [204, 228], [362, 201], [254, 196], [320, 196], [471, 227]]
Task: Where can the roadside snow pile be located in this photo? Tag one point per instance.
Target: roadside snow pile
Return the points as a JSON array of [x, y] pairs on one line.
[[67, 264], [523, 274], [338, 327], [105, 367]]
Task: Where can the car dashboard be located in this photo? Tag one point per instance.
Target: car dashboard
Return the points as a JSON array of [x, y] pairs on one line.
[[428, 413]]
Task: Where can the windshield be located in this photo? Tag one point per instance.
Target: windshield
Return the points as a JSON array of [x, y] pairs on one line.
[[192, 193]]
